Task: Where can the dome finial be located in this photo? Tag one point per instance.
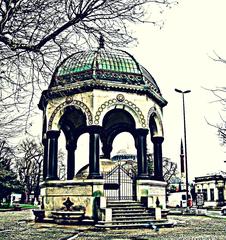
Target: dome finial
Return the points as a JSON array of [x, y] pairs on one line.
[[101, 41]]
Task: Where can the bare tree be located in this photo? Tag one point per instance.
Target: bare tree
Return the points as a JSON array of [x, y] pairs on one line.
[[36, 35], [29, 166], [7, 154], [8, 178], [169, 170], [169, 167], [220, 94], [12, 118]]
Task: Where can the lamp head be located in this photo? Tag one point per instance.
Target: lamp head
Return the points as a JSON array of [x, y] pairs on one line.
[[188, 91], [177, 90]]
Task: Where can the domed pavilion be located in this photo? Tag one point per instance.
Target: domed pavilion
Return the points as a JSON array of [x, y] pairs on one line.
[[103, 93]]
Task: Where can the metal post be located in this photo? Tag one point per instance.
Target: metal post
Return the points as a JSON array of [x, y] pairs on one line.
[[185, 140]]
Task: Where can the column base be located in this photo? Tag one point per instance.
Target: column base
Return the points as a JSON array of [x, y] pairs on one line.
[[157, 178], [94, 176], [70, 178], [51, 178], [143, 176]]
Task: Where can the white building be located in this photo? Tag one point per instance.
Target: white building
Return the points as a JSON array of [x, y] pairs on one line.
[[213, 188]]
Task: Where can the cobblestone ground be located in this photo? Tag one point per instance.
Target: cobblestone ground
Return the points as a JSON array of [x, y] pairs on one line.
[[19, 225]]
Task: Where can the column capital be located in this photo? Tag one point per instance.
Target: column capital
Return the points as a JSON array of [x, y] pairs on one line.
[[44, 139], [94, 129], [141, 131], [157, 139], [71, 145], [53, 134]]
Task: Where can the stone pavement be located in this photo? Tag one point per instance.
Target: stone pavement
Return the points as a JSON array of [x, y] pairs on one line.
[[188, 227], [19, 225]]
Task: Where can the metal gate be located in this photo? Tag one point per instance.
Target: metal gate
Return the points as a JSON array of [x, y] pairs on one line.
[[119, 184]]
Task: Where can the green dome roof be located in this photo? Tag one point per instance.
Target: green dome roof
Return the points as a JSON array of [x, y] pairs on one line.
[[115, 66]]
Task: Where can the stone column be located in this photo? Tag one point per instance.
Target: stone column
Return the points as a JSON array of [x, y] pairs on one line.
[[141, 146], [52, 139], [45, 156], [71, 147], [44, 143], [158, 170], [216, 193], [94, 155], [208, 193]]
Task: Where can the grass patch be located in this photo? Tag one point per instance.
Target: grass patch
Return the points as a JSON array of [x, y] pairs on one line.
[[28, 206], [22, 206]]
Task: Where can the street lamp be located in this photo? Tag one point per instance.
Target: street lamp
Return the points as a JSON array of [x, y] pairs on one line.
[[185, 140]]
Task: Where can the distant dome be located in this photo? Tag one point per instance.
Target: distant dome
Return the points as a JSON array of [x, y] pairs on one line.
[[122, 155], [121, 151], [105, 166], [107, 66]]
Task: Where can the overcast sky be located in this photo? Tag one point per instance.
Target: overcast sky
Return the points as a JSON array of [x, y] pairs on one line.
[[178, 56]]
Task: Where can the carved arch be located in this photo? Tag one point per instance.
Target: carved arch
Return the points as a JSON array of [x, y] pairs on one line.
[[155, 122], [120, 102], [69, 102]]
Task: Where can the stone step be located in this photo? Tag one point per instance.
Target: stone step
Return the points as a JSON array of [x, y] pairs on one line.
[[128, 207], [124, 204], [112, 226], [135, 223], [128, 210], [132, 218], [131, 214], [121, 201], [152, 224], [132, 221]]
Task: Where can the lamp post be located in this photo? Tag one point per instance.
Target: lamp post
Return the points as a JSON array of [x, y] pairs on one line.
[[185, 140]]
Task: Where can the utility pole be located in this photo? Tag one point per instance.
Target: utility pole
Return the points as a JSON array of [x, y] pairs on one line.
[[185, 140]]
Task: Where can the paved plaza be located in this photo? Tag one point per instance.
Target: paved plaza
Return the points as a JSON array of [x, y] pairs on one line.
[[19, 225]]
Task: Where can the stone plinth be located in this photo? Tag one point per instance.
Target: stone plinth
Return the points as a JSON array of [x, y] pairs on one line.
[[152, 189], [158, 213], [80, 192]]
